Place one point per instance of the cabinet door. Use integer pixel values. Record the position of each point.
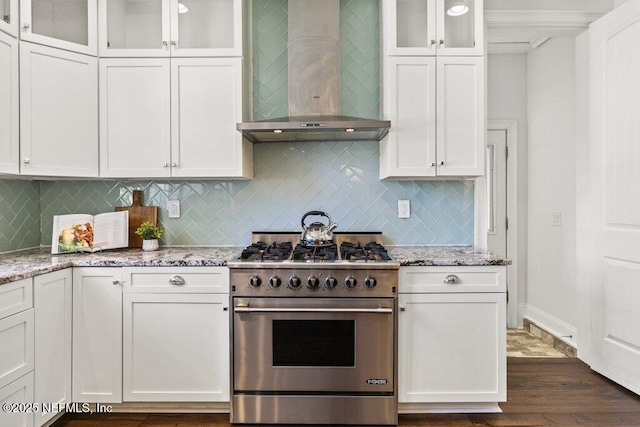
(409, 150)
(19, 391)
(135, 118)
(58, 112)
(410, 26)
(9, 112)
(191, 333)
(461, 119)
(452, 348)
(97, 335)
(206, 27)
(52, 306)
(460, 27)
(135, 28)
(16, 346)
(9, 17)
(206, 104)
(69, 25)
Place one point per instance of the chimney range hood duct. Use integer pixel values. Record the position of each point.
(314, 83)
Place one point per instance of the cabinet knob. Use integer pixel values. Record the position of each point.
(116, 282)
(432, 42)
(177, 280)
(165, 165)
(451, 279)
(26, 161)
(174, 165)
(442, 163)
(441, 42)
(165, 43)
(26, 25)
(174, 43)
(433, 163)
(402, 308)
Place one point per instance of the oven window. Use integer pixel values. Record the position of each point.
(314, 343)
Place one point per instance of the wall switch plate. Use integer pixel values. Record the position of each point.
(556, 221)
(404, 209)
(173, 206)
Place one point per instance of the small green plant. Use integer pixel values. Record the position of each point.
(148, 231)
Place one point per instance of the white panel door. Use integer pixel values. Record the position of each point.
(452, 348)
(19, 391)
(9, 107)
(97, 335)
(612, 268)
(16, 346)
(410, 93)
(461, 119)
(58, 112)
(135, 114)
(69, 25)
(52, 306)
(206, 104)
(176, 347)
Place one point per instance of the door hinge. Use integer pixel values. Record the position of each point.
(506, 223)
(506, 151)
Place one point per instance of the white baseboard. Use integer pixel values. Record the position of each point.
(556, 327)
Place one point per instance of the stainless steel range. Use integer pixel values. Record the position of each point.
(314, 331)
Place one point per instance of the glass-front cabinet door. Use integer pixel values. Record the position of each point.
(152, 28)
(435, 27)
(65, 24)
(9, 17)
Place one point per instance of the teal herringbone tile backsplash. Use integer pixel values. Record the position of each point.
(19, 215)
(290, 179)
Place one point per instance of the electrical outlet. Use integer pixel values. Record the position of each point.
(173, 206)
(556, 221)
(404, 209)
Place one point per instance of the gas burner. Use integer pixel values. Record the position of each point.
(315, 253)
(277, 252)
(253, 251)
(372, 251)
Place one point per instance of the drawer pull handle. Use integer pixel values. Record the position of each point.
(116, 282)
(451, 279)
(177, 280)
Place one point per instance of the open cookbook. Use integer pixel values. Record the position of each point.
(90, 233)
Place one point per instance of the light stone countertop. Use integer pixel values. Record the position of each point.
(23, 264)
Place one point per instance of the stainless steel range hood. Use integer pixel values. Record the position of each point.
(314, 83)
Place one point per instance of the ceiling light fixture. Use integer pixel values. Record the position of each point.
(182, 8)
(457, 8)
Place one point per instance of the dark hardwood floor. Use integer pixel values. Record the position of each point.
(541, 392)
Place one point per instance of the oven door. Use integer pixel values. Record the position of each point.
(313, 345)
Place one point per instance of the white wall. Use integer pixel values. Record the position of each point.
(550, 4)
(507, 100)
(551, 260)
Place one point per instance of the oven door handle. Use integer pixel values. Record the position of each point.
(382, 310)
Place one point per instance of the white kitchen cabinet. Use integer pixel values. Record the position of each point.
(176, 335)
(58, 112)
(172, 118)
(97, 335)
(9, 107)
(19, 391)
(452, 337)
(52, 307)
(433, 27)
(9, 17)
(69, 25)
(437, 108)
(163, 28)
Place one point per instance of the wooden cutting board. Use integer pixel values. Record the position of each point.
(137, 215)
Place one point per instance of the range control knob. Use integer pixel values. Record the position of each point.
(370, 282)
(274, 281)
(294, 282)
(255, 281)
(350, 282)
(330, 282)
(313, 282)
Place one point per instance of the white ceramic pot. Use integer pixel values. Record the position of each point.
(150, 245)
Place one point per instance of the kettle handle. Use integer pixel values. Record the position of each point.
(320, 213)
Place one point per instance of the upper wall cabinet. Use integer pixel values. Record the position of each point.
(9, 113)
(69, 25)
(434, 27)
(162, 28)
(9, 17)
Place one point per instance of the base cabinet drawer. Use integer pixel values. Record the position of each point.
(16, 297)
(452, 279)
(176, 280)
(19, 391)
(16, 346)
